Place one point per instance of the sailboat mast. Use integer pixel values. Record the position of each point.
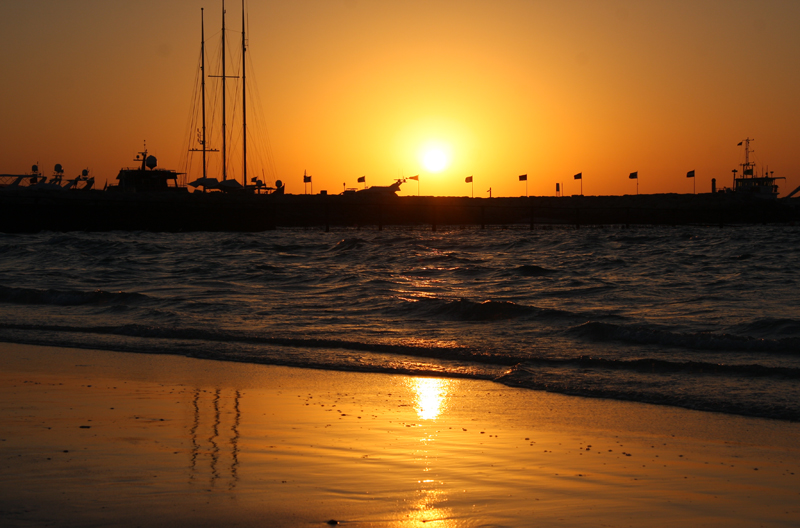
(203, 86)
(224, 128)
(244, 106)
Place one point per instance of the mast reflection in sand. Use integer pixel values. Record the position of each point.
(215, 437)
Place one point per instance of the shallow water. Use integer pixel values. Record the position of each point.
(698, 317)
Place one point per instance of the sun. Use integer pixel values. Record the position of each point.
(435, 159)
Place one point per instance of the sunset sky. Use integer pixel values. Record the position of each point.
(443, 89)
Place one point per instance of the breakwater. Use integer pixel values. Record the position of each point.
(32, 211)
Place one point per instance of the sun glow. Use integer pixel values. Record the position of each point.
(435, 159)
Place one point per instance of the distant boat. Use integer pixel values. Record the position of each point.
(35, 180)
(749, 182)
(382, 190)
(226, 184)
(147, 177)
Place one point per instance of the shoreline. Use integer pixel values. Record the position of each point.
(94, 438)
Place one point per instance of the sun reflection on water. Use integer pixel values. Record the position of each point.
(430, 396)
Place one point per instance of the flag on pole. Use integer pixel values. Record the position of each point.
(739, 144)
(362, 179)
(523, 177)
(690, 174)
(468, 179)
(579, 176)
(414, 177)
(306, 179)
(634, 175)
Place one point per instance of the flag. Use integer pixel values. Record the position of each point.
(414, 177)
(362, 179)
(634, 175)
(739, 144)
(690, 174)
(306, 179)
(523, 177)
(558, 187)
(468, 179)
(579, 176)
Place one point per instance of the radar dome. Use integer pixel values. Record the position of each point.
(151, 162)
(84, 173)
(59, 169)
(278, 184)
(35, 168)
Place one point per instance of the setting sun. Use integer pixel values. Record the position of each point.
(435, 159)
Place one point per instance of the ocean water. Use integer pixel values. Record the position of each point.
(700, 317)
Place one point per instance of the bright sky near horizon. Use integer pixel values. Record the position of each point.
(443, 89)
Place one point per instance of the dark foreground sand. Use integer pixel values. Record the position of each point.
(94, 438)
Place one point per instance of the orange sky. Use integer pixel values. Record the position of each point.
(350, 88)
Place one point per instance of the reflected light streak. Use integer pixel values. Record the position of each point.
(430, 396)
(428, 509)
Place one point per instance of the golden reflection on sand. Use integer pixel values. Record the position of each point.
(427, 509)
(430, 396)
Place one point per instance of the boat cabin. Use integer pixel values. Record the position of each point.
(147, 178)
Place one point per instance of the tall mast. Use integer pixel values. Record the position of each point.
(203, 86)
(204, 139)
(244, 108)
(224, 132)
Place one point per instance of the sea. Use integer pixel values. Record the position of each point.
(699, 317)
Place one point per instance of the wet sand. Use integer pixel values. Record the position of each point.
(95, 438)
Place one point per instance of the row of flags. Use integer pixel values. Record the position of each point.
(522, 177)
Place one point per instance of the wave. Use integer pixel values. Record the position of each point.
(651, 335)
(348, 244)
(466, 310)
(531, 270)
(661, 366)
(199, 336)
(705, 393)
(67, 297)
(770, 326)
(437, 351)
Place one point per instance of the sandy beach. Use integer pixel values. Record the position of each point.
(96, 438)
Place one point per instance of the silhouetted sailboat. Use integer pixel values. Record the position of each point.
(205, 181)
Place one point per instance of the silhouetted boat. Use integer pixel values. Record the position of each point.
(749, 182)
(35, 180)
(147, 177)
(382, 190)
